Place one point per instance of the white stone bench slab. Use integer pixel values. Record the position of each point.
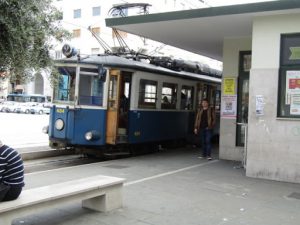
(99, 193)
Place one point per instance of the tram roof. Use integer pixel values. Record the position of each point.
(121, 62)
(202, 31)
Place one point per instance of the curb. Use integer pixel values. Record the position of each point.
(45, 154)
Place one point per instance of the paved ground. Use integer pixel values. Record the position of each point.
(175, 187)
(23, 130)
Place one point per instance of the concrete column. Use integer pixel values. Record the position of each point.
(231, 49)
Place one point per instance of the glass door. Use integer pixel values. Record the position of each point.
(243, 97)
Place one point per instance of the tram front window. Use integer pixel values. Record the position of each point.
(64, 90)
(90, 87)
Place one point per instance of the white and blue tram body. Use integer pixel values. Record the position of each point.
(108, 100)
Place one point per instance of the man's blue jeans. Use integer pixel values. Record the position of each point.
(206, 135)
(3, 191)
(9, 192)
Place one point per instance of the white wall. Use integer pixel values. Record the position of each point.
(273, 147)
(231, 50)
(47, 89)
(4, 88)
(86, 41)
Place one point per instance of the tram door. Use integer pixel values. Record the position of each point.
(112, 107)
(118, 107)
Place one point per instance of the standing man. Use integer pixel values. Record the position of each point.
(204, 124)
(11, 173)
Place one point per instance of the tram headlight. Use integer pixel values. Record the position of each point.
(59, 124)
(69, 51)
(92, 135)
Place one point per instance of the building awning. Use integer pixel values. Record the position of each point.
(202, 31)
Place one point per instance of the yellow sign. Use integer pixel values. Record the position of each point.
(60, 110)
(295, 53)
(229, 86)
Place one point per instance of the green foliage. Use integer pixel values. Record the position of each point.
(27, 29)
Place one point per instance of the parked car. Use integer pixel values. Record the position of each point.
(25, 108)
(7, 107)
(38, 109)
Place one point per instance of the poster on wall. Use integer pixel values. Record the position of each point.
(292, 85)
(259, 103)
(229, 86)
(295, 104)
(228, 107)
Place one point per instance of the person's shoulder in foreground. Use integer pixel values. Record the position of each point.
(11, 164)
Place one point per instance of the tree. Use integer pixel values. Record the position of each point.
(27, 29)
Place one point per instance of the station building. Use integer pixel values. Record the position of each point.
(259, 45)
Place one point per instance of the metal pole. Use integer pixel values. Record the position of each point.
(245, 146)
(244, 159)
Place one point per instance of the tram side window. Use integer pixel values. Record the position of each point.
(90, 90)
(218, 101)
(169, 96)
(147, 94)
(10, 98)
(20, 99)
(65, 88)
(38, 99)
(112, 92)
(15, 98)
(187, 96)
(26, 99)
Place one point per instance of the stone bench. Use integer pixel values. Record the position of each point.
(99, 193)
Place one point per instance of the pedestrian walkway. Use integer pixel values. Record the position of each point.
(32, 148)
(175, 187)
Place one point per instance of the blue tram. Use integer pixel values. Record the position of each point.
(104, 100)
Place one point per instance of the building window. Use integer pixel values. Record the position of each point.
(96, 30)
(77, 13)
(95, 51)
(169, 96)
(96, 11)
(147, 94)
(289, 77)
(76, 33)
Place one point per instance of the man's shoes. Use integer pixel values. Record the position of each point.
(209, 158)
